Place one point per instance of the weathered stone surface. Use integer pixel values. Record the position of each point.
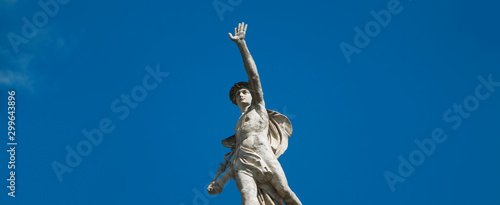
(261, 136)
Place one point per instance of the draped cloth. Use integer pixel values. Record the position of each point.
(280, 130)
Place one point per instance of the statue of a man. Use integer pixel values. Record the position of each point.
(255, 150)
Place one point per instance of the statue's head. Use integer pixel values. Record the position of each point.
(240, 94)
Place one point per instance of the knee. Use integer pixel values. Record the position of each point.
(285, 192)
(249, 197)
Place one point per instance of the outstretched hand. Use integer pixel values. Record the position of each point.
(239, 33)
(214, 188)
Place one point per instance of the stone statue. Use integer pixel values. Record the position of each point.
(261, 136)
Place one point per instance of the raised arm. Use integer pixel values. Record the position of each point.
(250, 67)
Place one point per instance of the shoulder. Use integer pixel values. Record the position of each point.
(261, 109)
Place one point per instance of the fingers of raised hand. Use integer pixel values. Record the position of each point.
(242, 28)
(239, 32)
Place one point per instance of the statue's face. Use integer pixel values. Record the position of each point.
(243, 97)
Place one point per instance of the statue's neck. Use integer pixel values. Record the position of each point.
(244, 109)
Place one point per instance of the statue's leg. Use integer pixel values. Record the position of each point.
(248, 188)
(280, 183)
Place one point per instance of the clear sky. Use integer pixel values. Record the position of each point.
(392, 102)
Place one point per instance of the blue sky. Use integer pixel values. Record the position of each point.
(431, 66)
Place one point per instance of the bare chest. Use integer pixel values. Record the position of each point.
(251, 122)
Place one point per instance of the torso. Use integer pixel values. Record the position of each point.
(251, 129)
(251, 133)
